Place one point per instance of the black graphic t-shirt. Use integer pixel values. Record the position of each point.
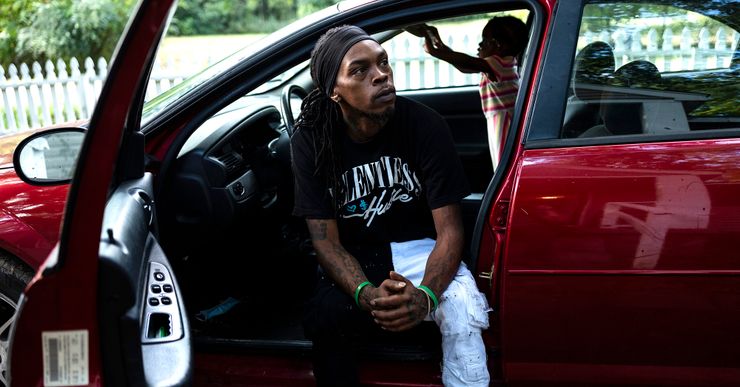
(390, 184)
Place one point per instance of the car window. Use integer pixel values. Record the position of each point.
(162, 102)
(654, 69)
(414, 69)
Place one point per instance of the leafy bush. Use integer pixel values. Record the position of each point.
(36, 30)
(208, 17)
(67, 28)
(14, 15)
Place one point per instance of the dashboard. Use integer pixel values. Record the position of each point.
(229, 168)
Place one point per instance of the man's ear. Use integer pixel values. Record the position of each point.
(335, 97)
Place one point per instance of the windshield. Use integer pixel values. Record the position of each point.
(162, 102)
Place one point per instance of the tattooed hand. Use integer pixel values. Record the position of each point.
(400, 305)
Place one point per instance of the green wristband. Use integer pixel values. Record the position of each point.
(359, 289)
(431, 295)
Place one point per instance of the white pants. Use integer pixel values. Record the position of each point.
(461, 316)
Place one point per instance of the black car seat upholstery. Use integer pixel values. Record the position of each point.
(594, 65)
(625, 118)
(638, 73)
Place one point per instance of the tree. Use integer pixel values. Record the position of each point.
(206, 17)
(306, 7)
(14, 15)
(67, 28)
(50, 29)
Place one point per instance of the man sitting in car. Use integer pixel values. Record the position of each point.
(379, 183)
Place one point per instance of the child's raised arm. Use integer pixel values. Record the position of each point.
(463, 62)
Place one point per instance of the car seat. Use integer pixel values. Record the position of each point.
(625, 118)
(618, 119)
(593, 65)
(638, 73)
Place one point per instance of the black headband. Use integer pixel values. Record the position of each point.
(328, 53)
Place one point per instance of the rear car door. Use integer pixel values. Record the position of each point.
(620, 263)
(108, 285)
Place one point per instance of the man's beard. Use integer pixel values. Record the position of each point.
(379, 119)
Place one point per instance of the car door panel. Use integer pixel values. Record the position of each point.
(61, 304)
(142, 320)
(636, 241)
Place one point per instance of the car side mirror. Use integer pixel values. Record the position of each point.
(48, 157)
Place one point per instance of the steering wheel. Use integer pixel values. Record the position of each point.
(291, 97)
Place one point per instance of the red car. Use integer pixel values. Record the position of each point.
(605, 239)
(30, 217)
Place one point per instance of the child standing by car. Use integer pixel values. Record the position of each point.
(503, 41)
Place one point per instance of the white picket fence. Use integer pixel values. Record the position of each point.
(415, 69)
(35, 96)
(674, 50)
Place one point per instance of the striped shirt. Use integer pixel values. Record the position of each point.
(498, 97)
(499, 94)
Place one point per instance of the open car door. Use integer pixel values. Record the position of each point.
(105, 309)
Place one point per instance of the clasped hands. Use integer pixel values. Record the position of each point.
(396, 305)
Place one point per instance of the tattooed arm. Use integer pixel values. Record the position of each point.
(339, 264)
(445, 258)
(407, 307)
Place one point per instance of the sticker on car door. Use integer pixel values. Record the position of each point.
(66, 361)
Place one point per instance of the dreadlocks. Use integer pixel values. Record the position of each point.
(322, 116)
